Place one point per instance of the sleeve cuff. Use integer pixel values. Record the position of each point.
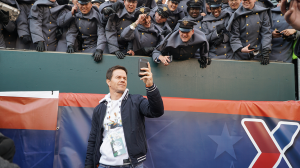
(152, 88)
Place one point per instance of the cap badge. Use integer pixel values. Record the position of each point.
(196, 1)
(185, 22)
(142, 10)
(165, 9)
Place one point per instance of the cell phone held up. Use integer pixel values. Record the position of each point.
(287, 5)
(143, 63)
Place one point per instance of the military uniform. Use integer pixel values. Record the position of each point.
(210, 23)
(142, 37)
(282, 50)
(250, 27)
(230, 10)
(9, 30)
(173, 45)
(114, 27)
(90, 28)
(43, 24)
(63, 21)
(265, 3)
(104, 18)
(23, 25)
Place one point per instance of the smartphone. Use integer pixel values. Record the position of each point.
(171, 58)
(255, 50)
(143, 63)
(277, 31)
(287, 5)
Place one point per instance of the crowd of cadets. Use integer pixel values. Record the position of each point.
(220, 30)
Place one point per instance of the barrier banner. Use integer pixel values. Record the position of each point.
(30, 119)
(194, 133)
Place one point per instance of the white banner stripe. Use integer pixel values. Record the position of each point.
(33, 94)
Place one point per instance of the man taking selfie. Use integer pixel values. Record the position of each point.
(117, 138)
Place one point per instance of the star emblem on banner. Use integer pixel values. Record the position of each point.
(225, 142)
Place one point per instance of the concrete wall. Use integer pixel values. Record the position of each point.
(78, 73)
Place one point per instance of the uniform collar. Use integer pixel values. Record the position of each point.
(211, 17)
(123, 97)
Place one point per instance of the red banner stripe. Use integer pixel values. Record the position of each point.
(28, 113)
(288, 110)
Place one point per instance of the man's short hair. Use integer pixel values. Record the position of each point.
(110, 71)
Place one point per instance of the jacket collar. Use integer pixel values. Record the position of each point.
(123, 97)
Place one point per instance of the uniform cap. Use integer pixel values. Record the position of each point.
(142, 10)
(194, 4)
(163, 11)
(98, 1)
(186, 25)
(83, 2)
(215, 3)
(175, 1)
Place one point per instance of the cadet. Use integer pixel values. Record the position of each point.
(97, 3)
(43, 25)
(214, 26)
(23, 27)
(109, 7)
(195, 13)
(183, 5)
(10, 29)
(283, 37)
(116, 24)
(4, 19)
(63, 21)
(175, 13)
(183, 44)
(233, 5)
(159, 17)
(250, 31)
(87, 23)
(144, 35)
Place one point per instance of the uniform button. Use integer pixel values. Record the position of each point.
(257, 31)
(48, 37)
(50, 22)
(47, 45)
(90, 35)
(247, 24)
(55, 39)
(79, 27)
(280, 14)
(31, 4)
(180, 55)
(82, 34)
(214, 21)
(277, 20)
(221, 19)
(199, 27)
(49, 6)
(246, 41)
(8, 35)
(275, 28)
(121, 28)
(88, 19)
(181, 6)
(151, 33)
(79, 19)
(247, 33)
(172, 22)
(142, 33)
(88, 28)
(255, 45)
(123, 19)
(216, 55)
(279, 51)
(191, 53)
(216, 48)
(256, 38)
(246, 16)
(256, 13)
(198, 21)
(151, 42)
(257, 22)
(49, 30)
(213, 26)
(281, 45)
(118, 35)
(8, 42)
(82, 49)
(224, 46)
(192, 46)
(84, 45)
(55, 46)
(224, 54)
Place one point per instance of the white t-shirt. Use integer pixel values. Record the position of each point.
(113, 134)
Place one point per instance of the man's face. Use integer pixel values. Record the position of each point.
(130, 5)
(216, 11)
(185, 37)
(163, 1)
(113, 0)
(52, 0)
(172, 6)
(146, 22)
(194, 12)
(248, 4)
(279, 3)
(159, 19)
(118, 82)
(234, 4)
(96, 4)
(86, 8)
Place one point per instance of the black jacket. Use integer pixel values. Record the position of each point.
(134, 108)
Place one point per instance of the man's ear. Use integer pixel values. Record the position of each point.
(108, 82)
(193, 31)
